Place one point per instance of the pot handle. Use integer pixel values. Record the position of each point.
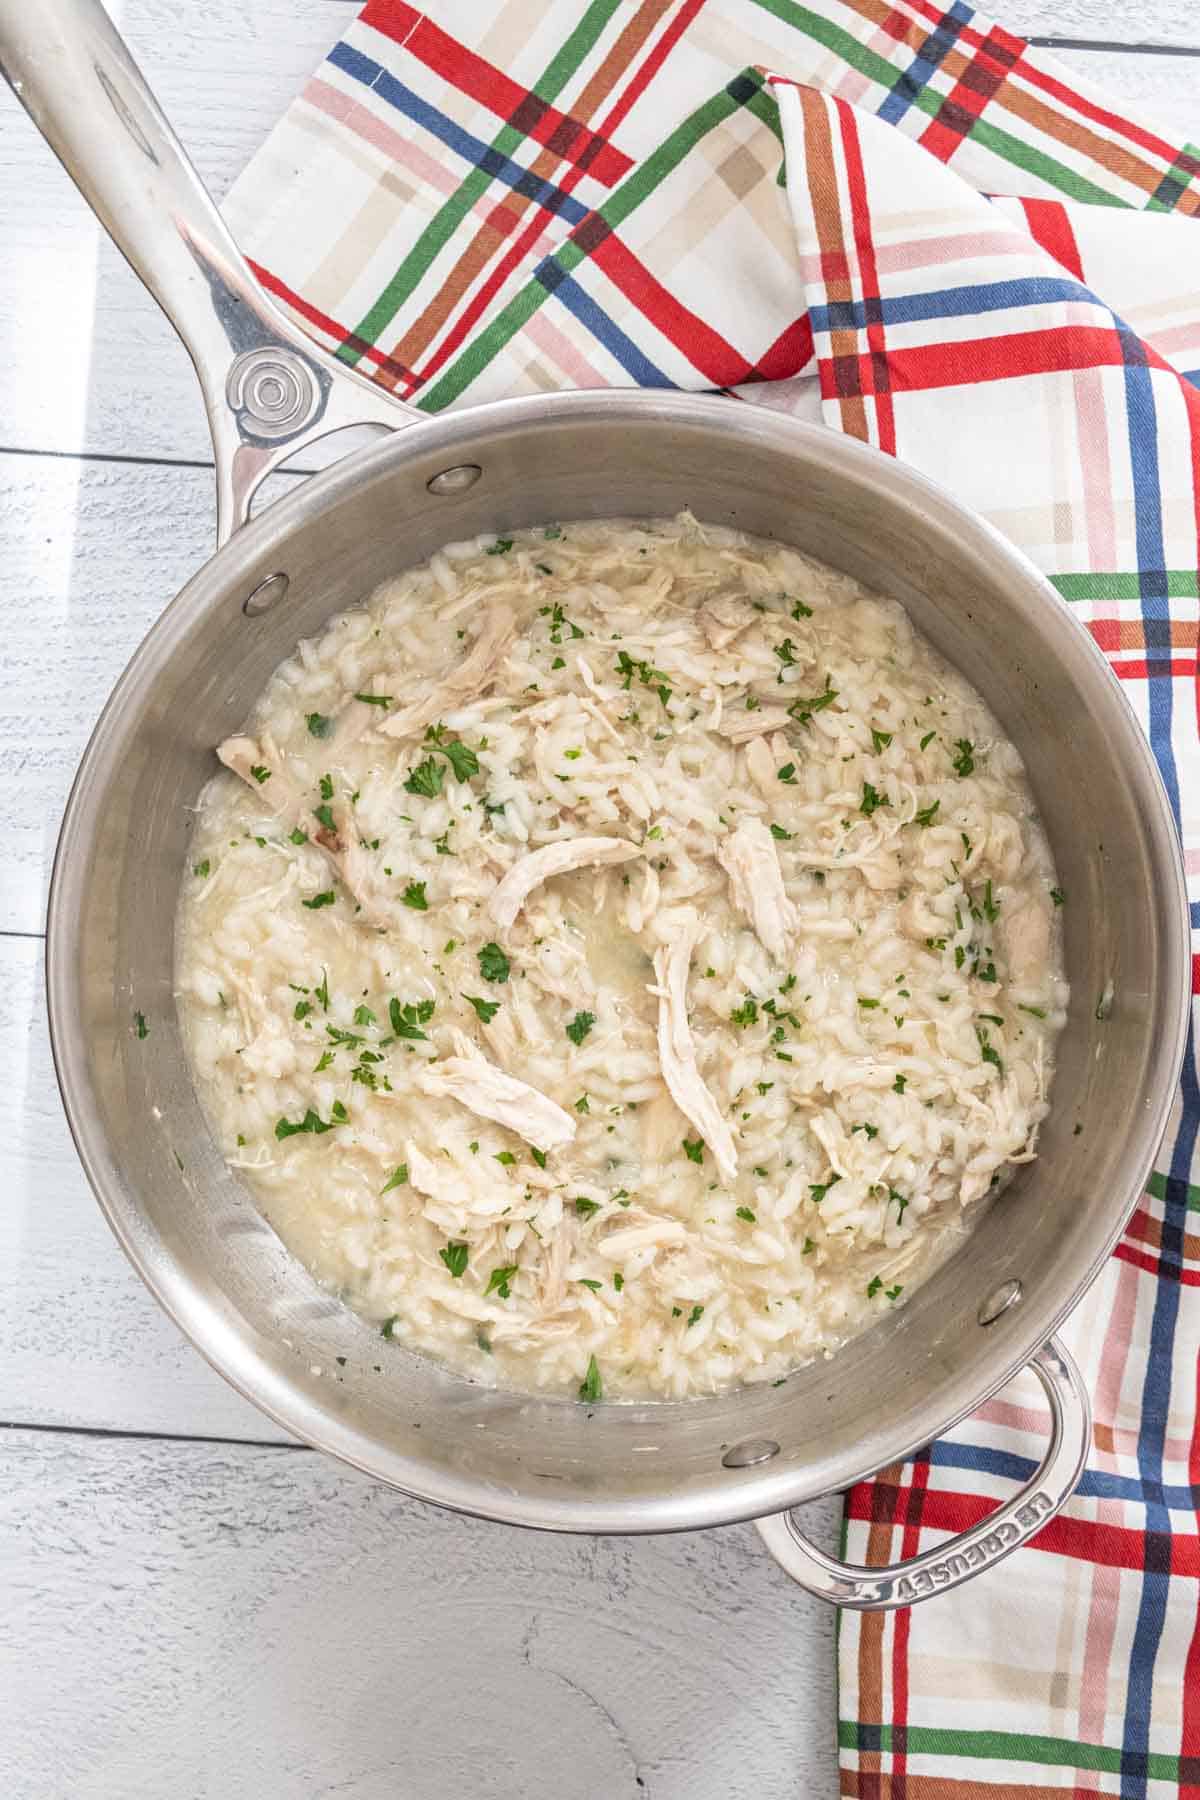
(269, 390)
(947, 1565)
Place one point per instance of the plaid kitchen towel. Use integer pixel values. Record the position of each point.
(901, 220)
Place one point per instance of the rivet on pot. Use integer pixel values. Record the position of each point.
(265, 596)
(999, 1301)
(456, 480)
(754, 1450)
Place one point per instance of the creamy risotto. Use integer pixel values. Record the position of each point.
(618, 958)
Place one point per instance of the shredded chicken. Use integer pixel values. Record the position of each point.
(1025, 933)
(281, 797)
(484, 1089)
(677, 1051)
(530, 871)
(740, 727)
(724, 618)
(749, 858)
(762, 765)
(476, 671)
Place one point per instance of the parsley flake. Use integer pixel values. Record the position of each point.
(693, 1149)
(580, 1025)
(485, 1010)
(414, 896)
(455, 1258)
(590, 1388)
(493, 964)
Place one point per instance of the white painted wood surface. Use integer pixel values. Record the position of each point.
(241, 1618)
(195, 1622)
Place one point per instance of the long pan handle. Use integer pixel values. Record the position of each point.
(268, 389)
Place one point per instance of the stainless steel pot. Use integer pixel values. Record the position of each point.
(180, 1214)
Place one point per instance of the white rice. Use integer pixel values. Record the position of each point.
(878, 1074)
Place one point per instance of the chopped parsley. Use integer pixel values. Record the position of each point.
(871, 800)
(298, 836)
(455, 1258)
(501, 547)
(388, 1328)
(787, 774)
(397, 1178)
(991, 911)
(819, 1189)
(406, 1020)
(880, 740)
(302, 1009)
(927, 739)
(425, 779)
(693, 1149)
(499, 1281)
(900, 1083)
(320, 900)
(594, 1285)
(872, 1131)
(201, 869)
(318, 724)
(618, 1281)
(744, 1212)
(927, 814)
(260, 773)
(780, 834)
(901, 1203)
(374, 699)
(892, 1293)
(803, 710)
(493, 964)
(874, 1286)
(800, 611)
(460, 756)
(988, 1051)
(552, 532)
(1057, 895)
(311, 1122)
(1036, 1012)
(505, 1158)
(324, 815)
(585, 1208)
(326, 785)
(590, 1387)
(363, 1015)
(694, 1317)
(580, 1025)
(867, 1004)
(414, 896)
(786, 652)
(140, 1026)
(485, 1010)
(964, 762)
(539, 1156)
(746, 1013)
(809, 1247)
(322, 991)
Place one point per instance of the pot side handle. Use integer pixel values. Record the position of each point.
(269, 390)
(948, 1565)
